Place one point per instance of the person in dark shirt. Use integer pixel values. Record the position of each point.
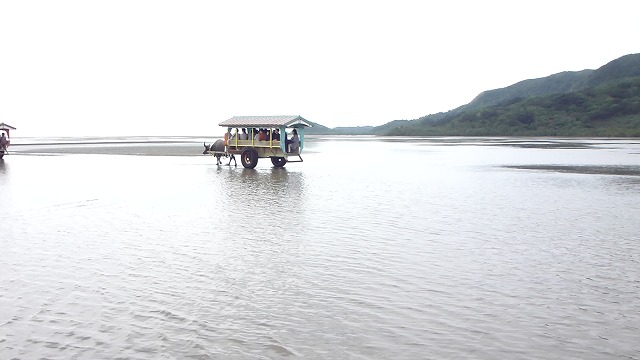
(3, 142)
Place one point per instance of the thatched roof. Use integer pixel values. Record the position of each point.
(266, 121)
(4, 126)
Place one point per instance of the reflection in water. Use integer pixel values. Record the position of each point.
(4, 174)
(275, 181)
(267, 198)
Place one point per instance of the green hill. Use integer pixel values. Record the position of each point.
(554, 84)
(627, 66)
(610, 109)
(602, 102)
(317, 129)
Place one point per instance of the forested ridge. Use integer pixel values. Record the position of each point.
(602, 102)
(611, 109)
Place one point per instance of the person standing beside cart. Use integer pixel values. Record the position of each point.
(4, 142)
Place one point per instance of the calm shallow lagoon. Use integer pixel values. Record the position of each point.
(372, 248)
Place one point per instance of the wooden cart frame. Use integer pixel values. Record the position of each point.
(279, 151)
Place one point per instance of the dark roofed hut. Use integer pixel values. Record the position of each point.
(5, 127)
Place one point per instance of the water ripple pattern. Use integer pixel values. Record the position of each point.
(371, 249)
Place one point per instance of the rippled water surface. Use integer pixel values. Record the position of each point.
(371, 248)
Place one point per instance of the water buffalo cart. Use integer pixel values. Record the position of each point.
(279, 138)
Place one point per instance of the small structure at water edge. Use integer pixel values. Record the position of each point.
(5, 139)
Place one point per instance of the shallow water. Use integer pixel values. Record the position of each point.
(371, 248)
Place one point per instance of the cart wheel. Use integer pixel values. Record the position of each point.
(278, 161)
(249, 158)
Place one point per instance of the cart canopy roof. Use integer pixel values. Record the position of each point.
(266, 121)
(4, 126)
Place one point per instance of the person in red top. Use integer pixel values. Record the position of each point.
(263, 135)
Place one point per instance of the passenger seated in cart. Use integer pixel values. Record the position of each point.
(276, 135)
(263, 135)
(244, 135)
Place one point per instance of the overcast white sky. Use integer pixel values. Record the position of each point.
(155, 67)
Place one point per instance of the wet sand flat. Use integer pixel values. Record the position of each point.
(143, 149)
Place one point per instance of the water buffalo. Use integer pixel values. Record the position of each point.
(218, 150)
